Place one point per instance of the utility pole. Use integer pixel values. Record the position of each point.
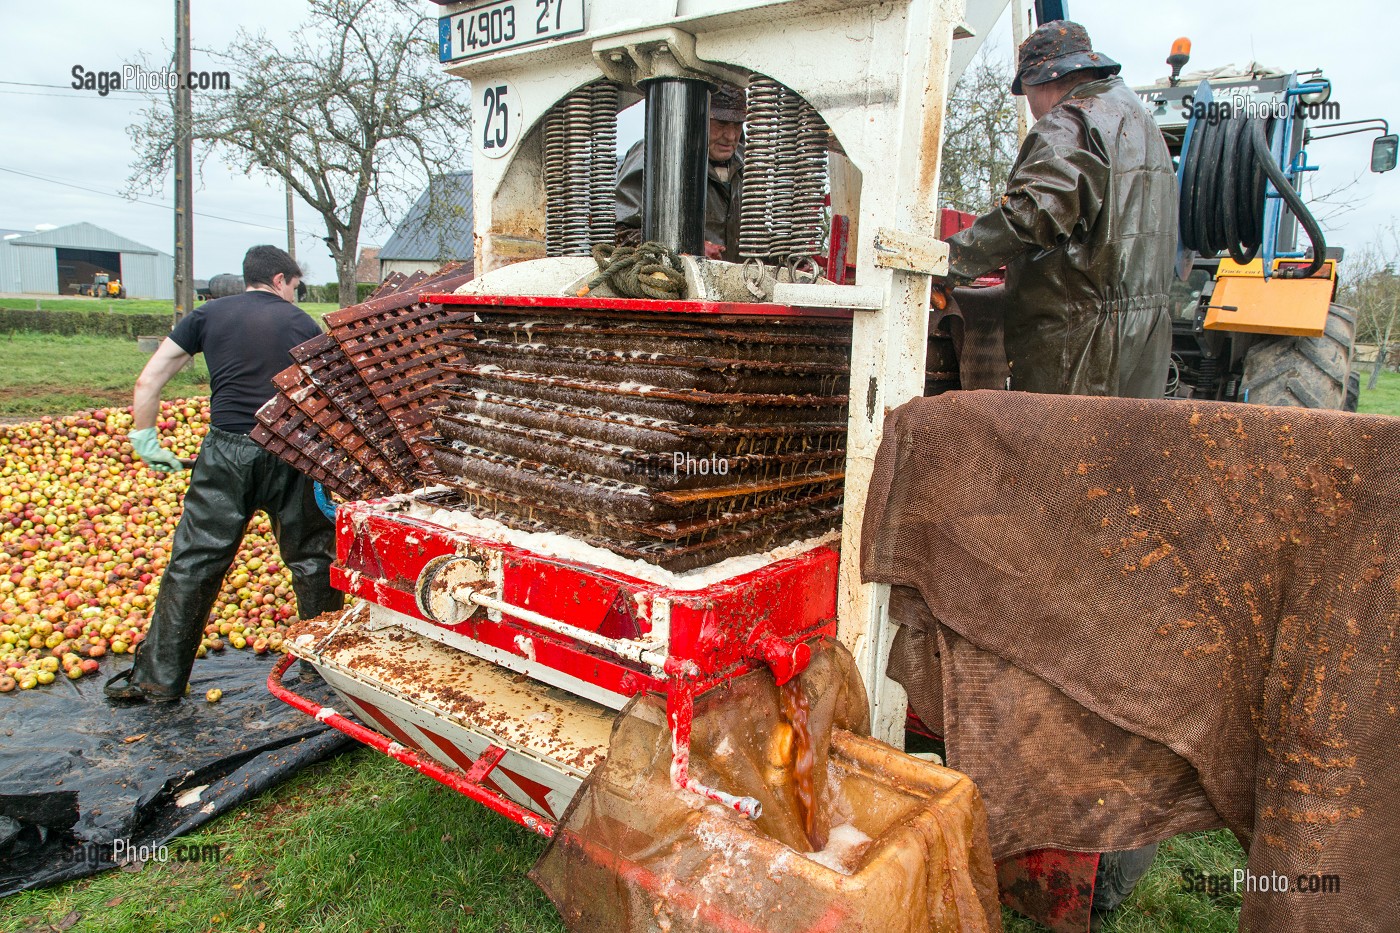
(184, 167)
(291, 226)
(1021, 27)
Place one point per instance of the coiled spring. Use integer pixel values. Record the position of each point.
(580, 170)
(782, 215)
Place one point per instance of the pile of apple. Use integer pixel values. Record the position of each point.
(85, 532)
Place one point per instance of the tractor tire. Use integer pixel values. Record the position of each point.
(1353, 392)
(1302, 372)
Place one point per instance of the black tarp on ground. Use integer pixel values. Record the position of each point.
(74, 777)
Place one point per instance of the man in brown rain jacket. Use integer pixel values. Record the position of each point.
(1086, 230)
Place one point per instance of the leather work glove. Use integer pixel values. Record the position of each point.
(146, 443)
(939, 295)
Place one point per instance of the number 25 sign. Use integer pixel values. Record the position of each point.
(498, 117)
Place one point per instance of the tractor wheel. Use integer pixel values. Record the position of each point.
(1353, 391)
(1302, 372)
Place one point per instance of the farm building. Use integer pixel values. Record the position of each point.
(437, 229)
(52, 262)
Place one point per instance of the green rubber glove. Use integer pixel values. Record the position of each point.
(146, 443)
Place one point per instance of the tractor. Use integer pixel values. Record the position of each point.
(1256, 318)
(103, 286)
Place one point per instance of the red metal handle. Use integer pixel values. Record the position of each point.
(462, 783)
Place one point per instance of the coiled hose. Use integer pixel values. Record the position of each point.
(1223, 191)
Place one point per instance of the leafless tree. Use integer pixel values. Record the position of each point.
(352, 113)
(1372, 288)
(1331, 206)
(980, 134)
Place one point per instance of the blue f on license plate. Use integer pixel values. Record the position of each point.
(506, 24)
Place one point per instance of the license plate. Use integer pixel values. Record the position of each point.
(506, 24)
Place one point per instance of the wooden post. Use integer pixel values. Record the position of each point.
(1021, 27)
(291, 224)
(184, 167)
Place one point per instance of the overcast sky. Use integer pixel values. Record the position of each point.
(77, 138)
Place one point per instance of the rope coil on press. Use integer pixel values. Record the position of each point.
(781, 218)
(646, 271)
(1224, 191)
(580, 170)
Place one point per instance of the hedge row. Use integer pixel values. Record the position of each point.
(95, 323)
(330, 292)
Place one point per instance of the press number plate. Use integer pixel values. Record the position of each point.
(506, 24)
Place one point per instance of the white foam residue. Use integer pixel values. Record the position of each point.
(191, 796)
(526, 646)
(732, 846)
(844, 847)
(554, 544)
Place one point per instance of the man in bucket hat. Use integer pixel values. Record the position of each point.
(1087, 233)
(1086, 230)
(728, 109)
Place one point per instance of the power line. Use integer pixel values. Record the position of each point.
(109, 194)
(65, 87)
(77, 95)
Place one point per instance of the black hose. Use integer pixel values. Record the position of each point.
(1223, 191)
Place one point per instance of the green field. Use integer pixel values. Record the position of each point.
(356, 843)
(45, 374)
(1384, 399)
(126, 305)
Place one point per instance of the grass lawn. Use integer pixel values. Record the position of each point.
(127, 305)
(46, 374)
(1384, 399)
(356, 843)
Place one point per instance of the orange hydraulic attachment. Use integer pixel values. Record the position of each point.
(1245, 301)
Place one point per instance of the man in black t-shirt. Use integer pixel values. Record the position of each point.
(246, 339)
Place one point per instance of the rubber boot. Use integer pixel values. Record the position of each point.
(1118, 874)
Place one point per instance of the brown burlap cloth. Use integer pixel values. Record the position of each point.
(634, 854)
(1158, 616)
(973, 319)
